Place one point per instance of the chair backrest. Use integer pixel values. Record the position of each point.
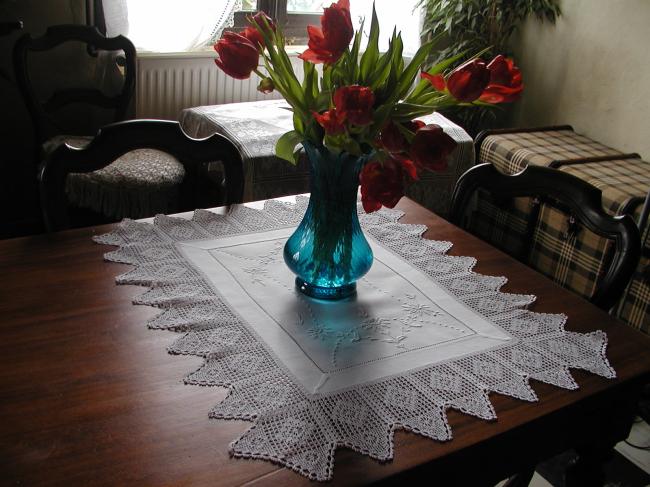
(583, 200)
(115, 140)
(44, 112)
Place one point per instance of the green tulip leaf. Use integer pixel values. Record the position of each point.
(286, 145)
(369, 58)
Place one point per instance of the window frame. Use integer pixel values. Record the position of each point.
(294, 26)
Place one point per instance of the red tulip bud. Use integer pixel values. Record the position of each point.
(238, 57)
(266, 86)
(467, 82)
(355, 103)
(431, 147)
(381, 184)
(505, 81)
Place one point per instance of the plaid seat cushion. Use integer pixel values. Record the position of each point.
(506, 227)
(558, 247)
(634, 306)
(502, 222)
(567, 252)
(510, 153)
(624, 182)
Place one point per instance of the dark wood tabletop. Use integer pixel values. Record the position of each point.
(90, 396)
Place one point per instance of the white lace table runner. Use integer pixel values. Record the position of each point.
(424, 333)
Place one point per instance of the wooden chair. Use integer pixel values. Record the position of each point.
(45, 113)
(116, 140)
(73, 115)
(581, 199)
(7, 28)
(584, 202)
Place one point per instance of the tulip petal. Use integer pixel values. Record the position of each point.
(436, 80)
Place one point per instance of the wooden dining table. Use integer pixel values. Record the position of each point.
(90, 396)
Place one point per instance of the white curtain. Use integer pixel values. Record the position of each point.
(169, 25)
(186, 25)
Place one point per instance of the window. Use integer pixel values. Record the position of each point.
(190, 25)
(165, 25)
(292, 15)
(295, 15)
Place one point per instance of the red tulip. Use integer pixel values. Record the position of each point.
(326, 44)
(393, 140)
(253, 35)
(467, 82)
(431, 147)
(381, 184)
(332, 121)
(259, 17)
(253, 32)
(238, 57)
(354, 103)
(505, 81)
(408, 165)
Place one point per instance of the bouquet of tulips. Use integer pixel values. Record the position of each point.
(365, 102)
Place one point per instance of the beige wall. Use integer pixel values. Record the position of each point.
(591, 70)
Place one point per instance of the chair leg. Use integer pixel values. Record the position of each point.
(587, 469)
(520, 479)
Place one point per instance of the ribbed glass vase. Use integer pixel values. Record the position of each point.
(328, 252)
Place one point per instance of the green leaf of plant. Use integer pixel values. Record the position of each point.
(354, 54)
(383, 67)
(308, 83)
(436, 69)
(409, 111)
(412, 70)
(322, 101)
(369, 58)
(298, 123)
(326, 80)
(380, 119)
(285, 147)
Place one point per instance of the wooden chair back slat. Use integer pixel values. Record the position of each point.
(42, 113)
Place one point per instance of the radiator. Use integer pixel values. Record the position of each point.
(168, 83)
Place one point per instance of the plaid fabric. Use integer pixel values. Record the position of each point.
(621, 181)
(511, 153)
(561, 249)
(504, 223)
(505, 226)
(567, 252)
(634, 306)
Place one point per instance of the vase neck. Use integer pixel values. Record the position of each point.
(333, 177)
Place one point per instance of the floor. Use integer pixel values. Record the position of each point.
(629, 466)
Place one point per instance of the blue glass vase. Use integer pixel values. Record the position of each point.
(328, 251)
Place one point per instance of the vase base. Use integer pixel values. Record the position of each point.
(329, 293)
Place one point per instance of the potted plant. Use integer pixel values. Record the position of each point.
(471, 26)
